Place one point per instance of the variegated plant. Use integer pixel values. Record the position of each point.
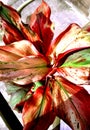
(42, 74)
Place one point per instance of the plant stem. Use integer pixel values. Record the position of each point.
(22, 6)
(56, 123)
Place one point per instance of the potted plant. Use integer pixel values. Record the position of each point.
(44, 75)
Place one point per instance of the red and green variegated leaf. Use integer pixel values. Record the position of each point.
(72, 37)
(79, 58)
(10, 15)
(41, 24)
(17, 50)
(25, 70)
(62, 57)
(75, 65)
(72, 104)
(11, 33)
(38, 111)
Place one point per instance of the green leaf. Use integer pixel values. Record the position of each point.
(36, 85)
(17, 97)
(78, 59)
(18, 94)
(12, 88)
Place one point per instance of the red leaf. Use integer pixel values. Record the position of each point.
(38, 110)
(41, 24)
